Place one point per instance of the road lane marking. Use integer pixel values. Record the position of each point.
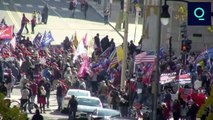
(29, 5)
(40, 6)
(5, 3)
(17, 4)
(65, 9)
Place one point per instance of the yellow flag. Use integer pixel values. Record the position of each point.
(75, 41)
(120, 53)
(90, 47)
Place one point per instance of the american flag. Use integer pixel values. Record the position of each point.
(148, 58)
(139, 57)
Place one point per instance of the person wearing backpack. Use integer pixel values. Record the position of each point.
(25, 93)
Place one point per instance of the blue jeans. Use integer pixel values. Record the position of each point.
(73, 13)
(60, 100)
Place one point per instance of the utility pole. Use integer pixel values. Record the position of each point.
(123, 72)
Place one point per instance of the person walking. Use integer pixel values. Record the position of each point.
(85, 8)
(41, 96)
(37, 116)
(72, 106)
(44, 14)
(34, 88)
(106, 15)
(24, 22)
(59, 95)
(25, 93)
(72, 7)
(47, 87)
(33, 24)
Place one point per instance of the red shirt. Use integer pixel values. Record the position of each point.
(34, 88)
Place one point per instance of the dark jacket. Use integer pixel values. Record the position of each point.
(37, 117)
(73, 104)
(59, 91)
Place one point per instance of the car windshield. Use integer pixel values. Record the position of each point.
(78, 93)
(110, 113)
(88, 102)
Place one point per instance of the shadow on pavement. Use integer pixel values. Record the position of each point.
(57, 113)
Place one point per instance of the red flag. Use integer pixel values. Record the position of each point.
(6, 32)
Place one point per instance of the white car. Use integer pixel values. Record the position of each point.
(76, 93)
(87, 105)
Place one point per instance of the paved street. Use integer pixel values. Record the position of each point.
(51, 113)
(59, 21)
(61, 25)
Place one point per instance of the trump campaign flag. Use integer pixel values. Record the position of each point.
(47, 39)
(37, 40)
(6, 32)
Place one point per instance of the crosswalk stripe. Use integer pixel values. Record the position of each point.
(53, 7)
(77, 10)
(65, 9)
(17, 4)
(29, 5)
(5, 3)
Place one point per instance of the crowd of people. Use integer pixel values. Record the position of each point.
(54, 68)
(40, 71)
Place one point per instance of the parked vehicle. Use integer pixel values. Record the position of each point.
(105, 114)
(87, 106)
(76, 93)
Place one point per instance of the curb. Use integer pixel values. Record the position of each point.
(103, 17)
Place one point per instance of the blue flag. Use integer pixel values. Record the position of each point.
(161, 54)
(37, 40)
(47, 39)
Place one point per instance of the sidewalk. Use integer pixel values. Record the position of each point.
(114, 16)
(114, 13)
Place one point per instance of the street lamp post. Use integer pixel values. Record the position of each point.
(123, 71)
(157, 73)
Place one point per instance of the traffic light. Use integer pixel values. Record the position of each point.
(183, 30)
(183, 46)
(188, 45)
